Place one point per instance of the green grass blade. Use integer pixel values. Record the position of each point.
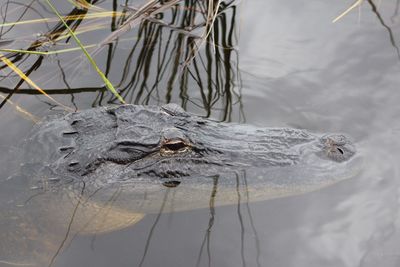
(44, 53)
(109, 86)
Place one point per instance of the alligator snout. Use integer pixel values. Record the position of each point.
(337, 147)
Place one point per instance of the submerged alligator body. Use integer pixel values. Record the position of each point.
(103, 169)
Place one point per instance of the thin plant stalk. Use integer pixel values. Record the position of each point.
(354, 5)
(108, 84)
(44, 53)
(28, 80)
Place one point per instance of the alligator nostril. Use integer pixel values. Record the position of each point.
(337, 147)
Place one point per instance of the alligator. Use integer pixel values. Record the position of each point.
(148, 147)
(133, 160)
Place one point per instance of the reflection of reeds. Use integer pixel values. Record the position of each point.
(181, 46)
(159, 56)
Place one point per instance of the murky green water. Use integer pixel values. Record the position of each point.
(275, 63)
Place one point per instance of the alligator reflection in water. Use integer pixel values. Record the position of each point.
(103, 169)
(153, 67)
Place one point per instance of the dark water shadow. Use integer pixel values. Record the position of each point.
(207, 235)
(240, 217)
(251, 220)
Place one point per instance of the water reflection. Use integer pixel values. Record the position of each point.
(207, 235)
(396, 12)
(69, 227)
(60, 210)
(57, 217)
(151, 231)
(391, 36)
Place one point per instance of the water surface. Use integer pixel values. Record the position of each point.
(285, 64)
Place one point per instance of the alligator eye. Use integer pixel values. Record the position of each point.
(175, 145)
(173, 141)
(171, 147)
(340, 150)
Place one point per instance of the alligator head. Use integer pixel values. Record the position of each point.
(166, 144)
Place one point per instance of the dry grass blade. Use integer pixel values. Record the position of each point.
(164, 24)
(128, 25)
(354, 5)
(95, 15)
(45, 53)
(83, 4)
(211, 16)
(28, 80)
(148, 10)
